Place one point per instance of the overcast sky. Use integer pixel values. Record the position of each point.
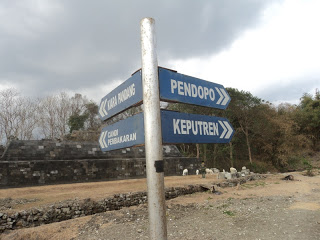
(268, 47)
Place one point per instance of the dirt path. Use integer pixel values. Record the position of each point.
(266, 209)
(41, 195)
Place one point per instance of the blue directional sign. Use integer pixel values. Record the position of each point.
(194, 128)
(177, 87)
(122, 134)
(124, 96)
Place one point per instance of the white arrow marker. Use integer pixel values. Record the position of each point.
(227, 129)
(102, 109)
(225, 95)
(221, 96)
(224, 129)
(230, 130)
(102, 140)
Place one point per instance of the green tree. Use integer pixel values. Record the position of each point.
(242, 113)
(93, 120)
(308, 118)
(76, 121)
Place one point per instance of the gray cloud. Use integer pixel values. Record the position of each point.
(289, 92)
(77, 44)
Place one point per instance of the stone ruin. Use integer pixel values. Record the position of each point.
(38, 162)
(233, 173)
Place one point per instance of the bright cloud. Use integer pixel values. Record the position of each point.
(277, 54)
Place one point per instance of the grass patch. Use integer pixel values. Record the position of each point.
(229, 213)
(255, 184)
(223, 206)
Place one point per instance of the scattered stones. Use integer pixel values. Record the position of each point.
(8, 203)
(78, 208)
(289, 177)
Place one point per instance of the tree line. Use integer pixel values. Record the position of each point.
(266, 136)
(51, 117)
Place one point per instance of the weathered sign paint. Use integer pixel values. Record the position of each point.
(194, 128)
(122, 97)
(177, 87)
(125, 133)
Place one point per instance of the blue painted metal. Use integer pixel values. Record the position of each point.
(125, 133)
(194, 128)
(122, 97)
(177, 87)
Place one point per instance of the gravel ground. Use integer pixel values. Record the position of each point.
(251, 218)
(268, 209)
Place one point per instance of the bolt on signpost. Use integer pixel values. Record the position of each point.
(153, 135)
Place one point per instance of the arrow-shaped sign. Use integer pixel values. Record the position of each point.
(102, 108)
(194, 128)
(223, 95)
(177, 87)
(122, 97)
(227, 129)
(125, 133)
(102, 139)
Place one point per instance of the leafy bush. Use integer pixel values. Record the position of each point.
(259, 167)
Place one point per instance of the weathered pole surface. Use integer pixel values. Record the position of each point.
(152, 129)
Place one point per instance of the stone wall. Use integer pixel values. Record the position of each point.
(79, 208)
(39, 172)
(26, 150)
(26, 163)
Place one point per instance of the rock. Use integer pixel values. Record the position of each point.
(215, 170)
(233, 170)
(289, 177)
(221, 175)
(233, 175)
(228, 175)
(245, 171)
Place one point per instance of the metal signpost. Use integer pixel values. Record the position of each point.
(124, 96)
(152, 131)
(177, 87)
(194, 128)
(149, 85)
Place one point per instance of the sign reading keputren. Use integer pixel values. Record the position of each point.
(194, 128)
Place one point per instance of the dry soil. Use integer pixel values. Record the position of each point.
(266, 209)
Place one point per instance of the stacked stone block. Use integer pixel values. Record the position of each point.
(26, 163)
(79, 208)
(26, 150)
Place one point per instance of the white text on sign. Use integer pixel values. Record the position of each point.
(182, 126)
(113, 137)
(192, 90)
(121, 97)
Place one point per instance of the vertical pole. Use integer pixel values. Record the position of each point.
(152, 131)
